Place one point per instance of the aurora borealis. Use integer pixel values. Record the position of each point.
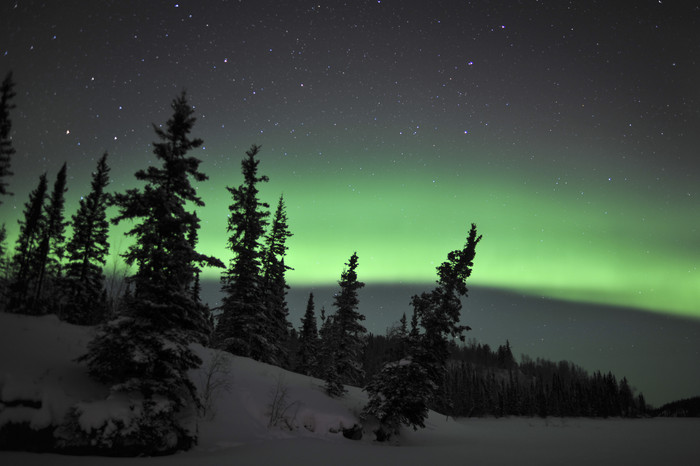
(596, 245)
(567, 131)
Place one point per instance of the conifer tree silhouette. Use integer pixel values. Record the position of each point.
(26, 258)
(86, 253)
(146, 349)
(345, 333)
(403, 390)
(51, 247)
(307, 359)
(7, 93)
(244, 326)
(274, 270)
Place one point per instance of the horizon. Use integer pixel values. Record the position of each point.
(627, 342)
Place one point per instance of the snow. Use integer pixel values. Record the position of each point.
(37, 362)
(92, 415)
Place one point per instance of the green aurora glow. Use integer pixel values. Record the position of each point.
(616, 241)
(389, 129)
(610, 245)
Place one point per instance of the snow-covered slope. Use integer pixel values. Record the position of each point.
(37, 366)
(242, 409)
(37, 363)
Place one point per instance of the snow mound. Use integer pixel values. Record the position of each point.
(39, 377)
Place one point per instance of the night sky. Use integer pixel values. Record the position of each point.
(568, 131)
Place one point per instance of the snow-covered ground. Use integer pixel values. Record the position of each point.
(37, 361)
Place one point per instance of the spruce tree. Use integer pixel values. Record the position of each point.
(3, 250)
(641, 405)
(196, 288)
(347, 332)
(276, 241)
(244, 324)
(438, 312)
(87, 254)
(51, 247)
(4, 269)
(26, 261)
(7, 93)
(328, 367)
(326, 343)
(307, 358)
(397, 396)
(403, 391)
(6, 151)
(146, 349)
(274, 269)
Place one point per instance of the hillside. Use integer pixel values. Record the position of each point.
(39, 381)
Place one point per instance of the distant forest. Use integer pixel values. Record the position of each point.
(688, 407)
(481, 381)
(145, 331)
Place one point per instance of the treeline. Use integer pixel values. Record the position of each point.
(535, 388)
(688, 407)
(481, 381)
(50, 271)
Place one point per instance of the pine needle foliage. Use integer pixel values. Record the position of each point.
(402, 392)
(345, 334)
(7, 93)
(307, 356)
(51, 247)
(244, 323)
(275, 282)
(25, 262)
(87, 251)
(146, 349)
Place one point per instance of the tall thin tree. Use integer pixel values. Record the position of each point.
(244, 325)
(438, 312)
(347, 332)
(87, 253)
(7, 93)
(307, 357)
(25, 262)
(274, 270)
(51, 247)
(6, 151)
(403, 390)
